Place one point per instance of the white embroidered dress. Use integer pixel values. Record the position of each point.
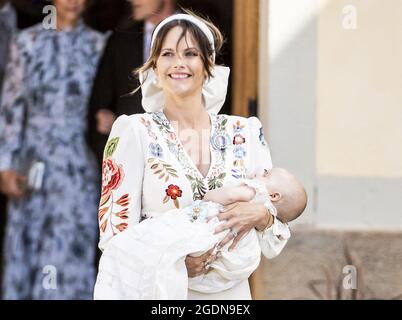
(146, 169)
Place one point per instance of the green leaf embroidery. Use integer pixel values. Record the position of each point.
(110, 147)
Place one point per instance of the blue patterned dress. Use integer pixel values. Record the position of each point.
(51, 234)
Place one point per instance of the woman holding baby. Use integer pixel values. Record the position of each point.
(173, 155)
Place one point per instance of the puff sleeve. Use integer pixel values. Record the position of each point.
(122, 176)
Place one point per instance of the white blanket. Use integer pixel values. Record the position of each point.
(146, 261)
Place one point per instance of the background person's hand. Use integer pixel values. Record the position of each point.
(104, 121)
(12, 184)
(196, 265)
(240, 218)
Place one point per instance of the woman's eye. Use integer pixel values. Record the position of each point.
(167, 54)
(191, 54)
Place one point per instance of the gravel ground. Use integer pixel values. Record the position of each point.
(318, 257)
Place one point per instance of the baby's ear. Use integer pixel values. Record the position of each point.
(274, 197)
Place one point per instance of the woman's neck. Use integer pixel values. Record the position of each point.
(187, 112)
(63, 24)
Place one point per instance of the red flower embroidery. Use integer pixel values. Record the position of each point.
(173, 192)
(124, 200)
(122, 226)
(112, 176)
(123, 214)
(238, 139)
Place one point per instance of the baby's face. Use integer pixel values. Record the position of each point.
(267, 177)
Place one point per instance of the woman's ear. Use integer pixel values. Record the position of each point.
(274, 197)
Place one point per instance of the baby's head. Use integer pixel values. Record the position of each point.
(286, 193)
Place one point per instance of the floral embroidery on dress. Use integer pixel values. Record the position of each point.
(217, 172)
(173, 192)
(147, 125)
(262, 138)
(110, 147)
(216, 181)
(220, 141)
(197, 187)
(238, 139)
(162, 168)
(238, 127)
(112, 177)
(196, 212)
(156, 150)
(239, 151)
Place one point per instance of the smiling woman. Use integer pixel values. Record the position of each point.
(183, 91)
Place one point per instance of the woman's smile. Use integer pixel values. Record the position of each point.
(179, 75)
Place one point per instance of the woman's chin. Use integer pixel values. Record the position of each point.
(182, 92)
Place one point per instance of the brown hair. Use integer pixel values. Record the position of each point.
(199, 36)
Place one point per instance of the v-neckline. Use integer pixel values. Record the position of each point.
(180, 146)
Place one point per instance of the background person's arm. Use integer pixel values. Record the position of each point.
(102, 100)
(13, 103)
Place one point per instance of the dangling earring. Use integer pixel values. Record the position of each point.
(156, 82)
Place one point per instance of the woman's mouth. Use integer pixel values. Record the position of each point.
(179, 76)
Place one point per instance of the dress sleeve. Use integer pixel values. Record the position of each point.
(122, 176)
(273, 239)
(14, 98)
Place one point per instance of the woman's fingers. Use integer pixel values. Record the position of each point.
(229, 207)
(210, 217)
(197, 265)
(229, 237)
(207, 255)
(236, 240)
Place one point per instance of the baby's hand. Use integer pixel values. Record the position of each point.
(229, 195)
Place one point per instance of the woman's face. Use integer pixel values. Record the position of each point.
(69, 10)
(179, 68)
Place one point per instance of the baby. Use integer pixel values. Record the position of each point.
(284, 197)
(283, 189)
(151, 254)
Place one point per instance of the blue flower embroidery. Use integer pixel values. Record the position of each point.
(239, 152)
(160, 118)
(156, 150)
(262, 138)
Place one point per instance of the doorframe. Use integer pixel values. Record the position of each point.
(245, 55)
(246, 77)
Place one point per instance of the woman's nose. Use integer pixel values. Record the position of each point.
(179, 61)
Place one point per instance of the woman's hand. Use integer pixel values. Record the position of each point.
(12, 184)
(197, 266)
(240, 218)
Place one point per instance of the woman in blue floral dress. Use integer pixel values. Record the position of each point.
(51, 234)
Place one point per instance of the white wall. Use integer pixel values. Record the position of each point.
(330, 99)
